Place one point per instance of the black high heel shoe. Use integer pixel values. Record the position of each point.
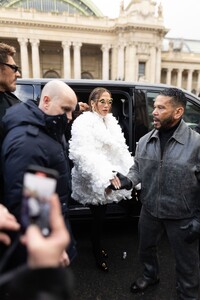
(104, 253)
(100, 260)
(102, 266)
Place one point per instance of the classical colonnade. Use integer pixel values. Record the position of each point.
(185, 78)
(120, 61)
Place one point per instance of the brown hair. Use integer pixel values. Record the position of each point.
(96, 94)
(5, 51)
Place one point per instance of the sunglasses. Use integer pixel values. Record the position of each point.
(13, 67)
(104, 101)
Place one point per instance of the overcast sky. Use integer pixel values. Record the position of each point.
(182, 17)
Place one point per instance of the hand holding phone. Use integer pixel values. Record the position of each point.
(48, 252)
(38, 185)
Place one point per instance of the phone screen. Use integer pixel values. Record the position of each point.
(38, 186)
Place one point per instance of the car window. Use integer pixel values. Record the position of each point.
(122, 112)
(192, 115)
(141, 123)
(27, 91)
(150, 106)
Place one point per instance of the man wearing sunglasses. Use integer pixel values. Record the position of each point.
(9, 73)
(8, 76)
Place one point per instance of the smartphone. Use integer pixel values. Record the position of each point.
(39, 184)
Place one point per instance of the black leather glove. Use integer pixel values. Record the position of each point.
(125, 182)
(193, 229)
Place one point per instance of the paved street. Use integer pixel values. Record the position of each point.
(120, 236)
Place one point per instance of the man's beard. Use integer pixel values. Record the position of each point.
(166, 124)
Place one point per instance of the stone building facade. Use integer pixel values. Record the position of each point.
(72, 39)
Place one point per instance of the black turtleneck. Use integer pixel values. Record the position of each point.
(165, 134)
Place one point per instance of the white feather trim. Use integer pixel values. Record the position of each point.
(97, 148)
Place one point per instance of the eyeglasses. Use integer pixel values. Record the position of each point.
(104, 101)
(13, 67)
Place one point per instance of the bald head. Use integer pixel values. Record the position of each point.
(58, 98)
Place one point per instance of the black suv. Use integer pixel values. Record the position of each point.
(132, 106)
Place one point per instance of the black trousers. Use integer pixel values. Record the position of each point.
(186, 255)
(98, 215)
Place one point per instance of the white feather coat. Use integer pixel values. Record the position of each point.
(97, 148)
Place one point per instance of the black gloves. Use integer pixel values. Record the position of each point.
(125, 183)
(193, 229)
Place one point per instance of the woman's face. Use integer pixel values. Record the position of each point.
(103, 104)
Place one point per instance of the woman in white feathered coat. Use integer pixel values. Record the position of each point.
(97, 149)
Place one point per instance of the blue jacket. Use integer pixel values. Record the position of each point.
(29, 141)
(170, 186)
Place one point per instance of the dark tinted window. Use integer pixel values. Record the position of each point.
(27, 91)
(192, 114)
(141, 119)
(150, 106)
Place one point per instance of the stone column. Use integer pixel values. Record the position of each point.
(105, 64)
(169, 76)
(158, 65)
(127, 65)
(66, 59)
(153, 69)
(77, 60)
(130, 69)
(179, 78)
(198, 83)
(189, 80)
(24, 57)
(35, 57)
(114, 54)
(120, 68)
